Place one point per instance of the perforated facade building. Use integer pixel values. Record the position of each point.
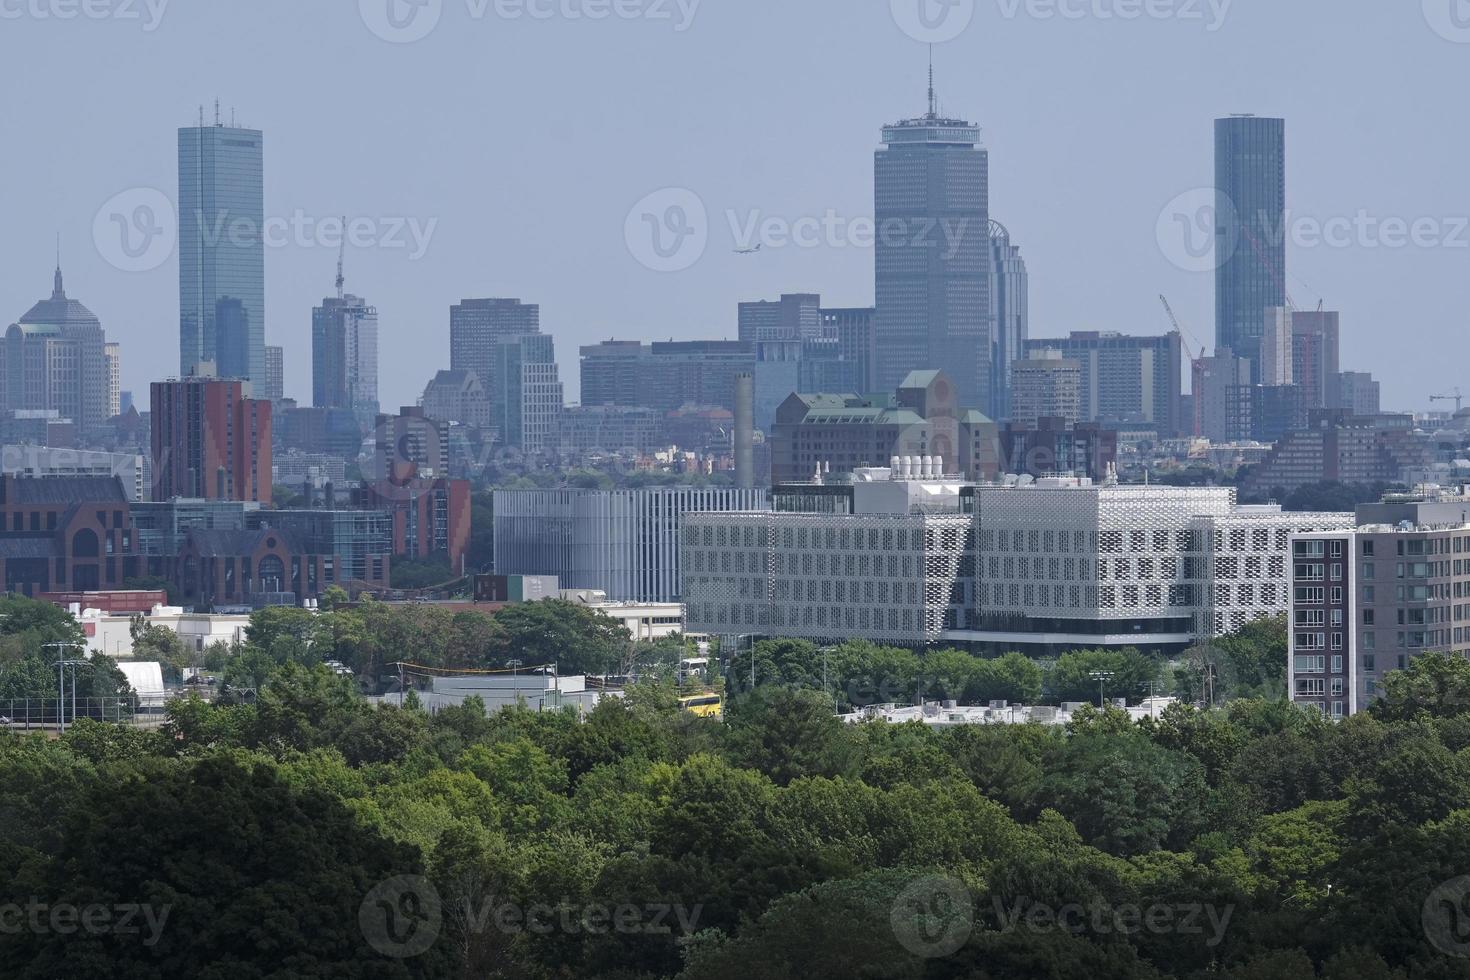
(1053, 566)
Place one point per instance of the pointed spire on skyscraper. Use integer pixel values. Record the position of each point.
(56, 291)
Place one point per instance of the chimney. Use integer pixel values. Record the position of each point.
(745, 431)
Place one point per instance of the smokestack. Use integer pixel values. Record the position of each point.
(744, 431)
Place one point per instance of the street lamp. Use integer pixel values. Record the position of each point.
(61, 664)
(1102, 677)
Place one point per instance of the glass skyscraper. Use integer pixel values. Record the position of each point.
(344, 357)
(932, 264)
(222, 252)
(1250, 231)
(1009, 317)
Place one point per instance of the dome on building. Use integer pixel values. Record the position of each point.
(59, 311)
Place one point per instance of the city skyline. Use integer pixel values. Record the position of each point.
(1068, 222)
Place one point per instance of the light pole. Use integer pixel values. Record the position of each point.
(1102, 677)
(61, 664)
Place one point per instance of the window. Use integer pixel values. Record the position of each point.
(1311, 687)
(1369, 615)
(1368, 549)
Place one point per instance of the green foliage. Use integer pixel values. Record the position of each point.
(781, 842)
(425, 573)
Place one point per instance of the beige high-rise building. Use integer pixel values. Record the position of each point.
(1046, 385)
(112, 352)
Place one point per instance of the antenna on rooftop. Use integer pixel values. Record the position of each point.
(341, 253)
(932, 112)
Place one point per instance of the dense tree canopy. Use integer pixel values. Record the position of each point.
(296, 828)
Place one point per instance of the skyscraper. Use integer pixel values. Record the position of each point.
(210, 441)
(1250, 231)
(476, 325)
(275, 374)
(932, 258)
(222, 251)
(852, 328)
(795, 316)
(526, 394)
(1314, 345)
(55, 359)
(112, 356)
(1009, 319)
(344, 356)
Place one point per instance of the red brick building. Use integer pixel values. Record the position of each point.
(64, 534)
(210, 441)
(429, 516)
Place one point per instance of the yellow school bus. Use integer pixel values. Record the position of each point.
(704, 705)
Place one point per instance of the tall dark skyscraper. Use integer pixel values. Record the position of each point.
(344, 355)
(1009, 317)
(476, 327)
(932, 265)
(222, 251)
(1250, 231)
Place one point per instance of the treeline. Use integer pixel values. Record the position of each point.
(1249, 663)
(312, 834)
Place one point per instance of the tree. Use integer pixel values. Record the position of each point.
(1434, 684)
(787, 734)
(153, 642)
(554, 631)
(1014, 678)
(1131, 674)
(246, 877)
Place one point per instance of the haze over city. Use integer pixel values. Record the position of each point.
(517, 144)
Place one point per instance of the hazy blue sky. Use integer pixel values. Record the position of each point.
(528, 140)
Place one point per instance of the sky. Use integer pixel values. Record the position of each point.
(515, 148)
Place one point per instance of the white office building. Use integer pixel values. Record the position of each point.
(885, 558)
(1065, 563)
(622, 542)
(904, 556)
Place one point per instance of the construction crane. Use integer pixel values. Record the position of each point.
(1196, 364)
(1457, 398)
